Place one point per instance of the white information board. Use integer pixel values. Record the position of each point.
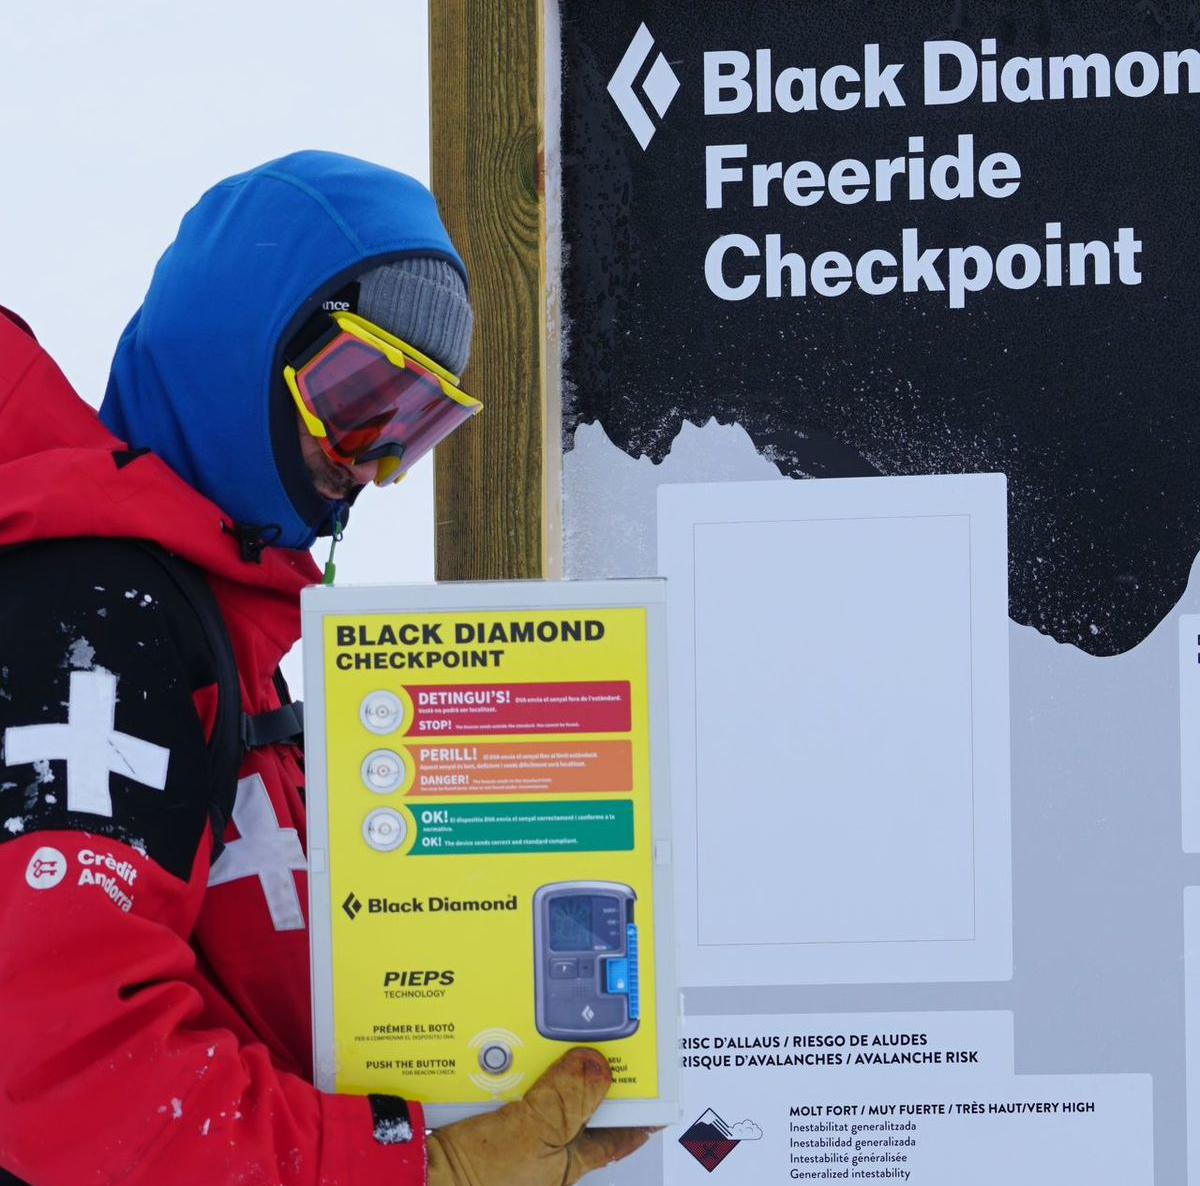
(898, 1097)
(839, 729)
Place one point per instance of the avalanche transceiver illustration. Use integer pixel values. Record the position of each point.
(585, 954)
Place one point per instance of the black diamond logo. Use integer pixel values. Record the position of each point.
(351, 906)
(659, 86)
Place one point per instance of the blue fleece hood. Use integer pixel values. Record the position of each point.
(198, 373)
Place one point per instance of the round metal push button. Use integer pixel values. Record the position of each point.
(382, 712)
(382, 771)
(495, 1058)
(384, 829)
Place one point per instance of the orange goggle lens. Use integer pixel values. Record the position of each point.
(373, 407)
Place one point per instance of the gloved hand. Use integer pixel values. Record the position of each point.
(539, 1140)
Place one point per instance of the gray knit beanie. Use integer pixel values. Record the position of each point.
(423, 301)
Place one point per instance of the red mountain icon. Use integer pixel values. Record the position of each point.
(708, 1140)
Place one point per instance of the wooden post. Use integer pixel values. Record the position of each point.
(487, 173)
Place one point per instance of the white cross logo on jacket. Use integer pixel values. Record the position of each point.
(90, 745)
(264, 850)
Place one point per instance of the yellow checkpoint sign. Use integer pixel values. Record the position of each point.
(487, 835)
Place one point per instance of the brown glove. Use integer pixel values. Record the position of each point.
(539, 1140)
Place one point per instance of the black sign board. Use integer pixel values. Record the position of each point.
(906, 239)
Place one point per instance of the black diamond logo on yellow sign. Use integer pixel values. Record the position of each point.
(351, 906)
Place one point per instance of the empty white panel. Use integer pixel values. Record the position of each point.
(839, 689)
(833, 731)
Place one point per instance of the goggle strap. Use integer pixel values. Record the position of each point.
(316, 333)
(388, 449)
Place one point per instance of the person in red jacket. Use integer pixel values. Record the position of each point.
(301, 337)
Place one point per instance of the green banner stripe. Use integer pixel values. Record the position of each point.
(573, 826)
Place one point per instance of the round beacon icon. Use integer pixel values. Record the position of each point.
(384, 829)
(382, 712)
(382, 771)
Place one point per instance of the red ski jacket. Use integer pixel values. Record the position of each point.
(154, 1004)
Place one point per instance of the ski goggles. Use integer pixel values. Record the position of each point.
(365, 395)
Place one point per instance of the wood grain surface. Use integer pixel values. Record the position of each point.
(487, 176)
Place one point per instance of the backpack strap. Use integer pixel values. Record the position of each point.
(225, 741)
(283, 724)
(234, 732)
